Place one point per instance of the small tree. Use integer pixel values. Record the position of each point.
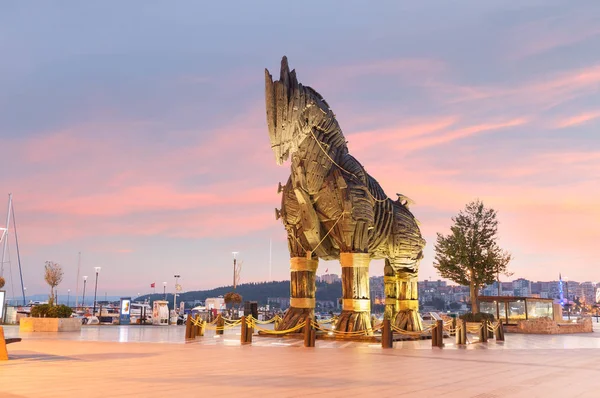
(53, 275)
(233, 298)
(2, 282)
(470, 255)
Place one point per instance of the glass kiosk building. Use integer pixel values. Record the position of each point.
(511, 309)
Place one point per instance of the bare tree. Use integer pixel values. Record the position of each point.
(53, 275)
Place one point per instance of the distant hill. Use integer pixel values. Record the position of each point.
(252, 292)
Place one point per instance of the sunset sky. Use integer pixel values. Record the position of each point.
(135, 132)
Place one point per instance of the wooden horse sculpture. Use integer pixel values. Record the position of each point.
(332, 209)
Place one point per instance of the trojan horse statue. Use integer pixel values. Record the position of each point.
(332, 209)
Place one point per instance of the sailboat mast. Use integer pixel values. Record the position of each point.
(5, 234)
(18, 253)
(270, 259)
(77, 283)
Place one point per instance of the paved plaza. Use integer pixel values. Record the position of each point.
(111, 361)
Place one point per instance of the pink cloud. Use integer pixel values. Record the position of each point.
(543, 93)
(422, 135)
(577, 119)
(417, 128)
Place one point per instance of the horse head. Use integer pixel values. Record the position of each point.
(293, 110)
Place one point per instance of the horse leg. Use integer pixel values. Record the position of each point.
(356, 304)
(390, 287)
(302, 289)
(408, 317)
(303, 266)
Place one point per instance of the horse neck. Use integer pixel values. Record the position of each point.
(316, 156)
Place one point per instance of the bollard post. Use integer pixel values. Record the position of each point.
(249, 332)
(461, 334)
(458, 334)
(220, 324)
(244, 331)
(199, 326)
(3, 351)
(500, 332)
(490, 330)
(309, 336)
(387, 337)
(188, 327)
(453, 327)
(434, 336)
(483, 331)
(194, 329)
(439, 330)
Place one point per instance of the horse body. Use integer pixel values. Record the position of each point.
(333, 209)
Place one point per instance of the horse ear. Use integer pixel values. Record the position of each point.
(271, 104)
(287, 78)
(285, 69)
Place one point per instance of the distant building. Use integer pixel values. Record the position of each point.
(325, 304)
(279, 302)
(587, 292)
(377, 290)
(522, 287)
(329, 278)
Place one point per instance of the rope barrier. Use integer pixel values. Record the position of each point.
(272, 320)
(251, 323)
(474, 329)
(355, 333)
(493, 327)
(411, 332)
(254, 323)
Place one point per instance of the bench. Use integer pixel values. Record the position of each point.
(4, 342)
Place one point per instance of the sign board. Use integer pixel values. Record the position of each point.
(2, 307)
(125, 311)
(160, 313)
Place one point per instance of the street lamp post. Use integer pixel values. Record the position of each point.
(176, 276)
(234, 270)
(165, 291)
(83, 299)
(95, 290)
(68, 296)
(568, 303)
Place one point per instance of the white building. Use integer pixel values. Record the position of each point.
(217, 303)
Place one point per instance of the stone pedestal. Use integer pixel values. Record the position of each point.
(49, 325)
